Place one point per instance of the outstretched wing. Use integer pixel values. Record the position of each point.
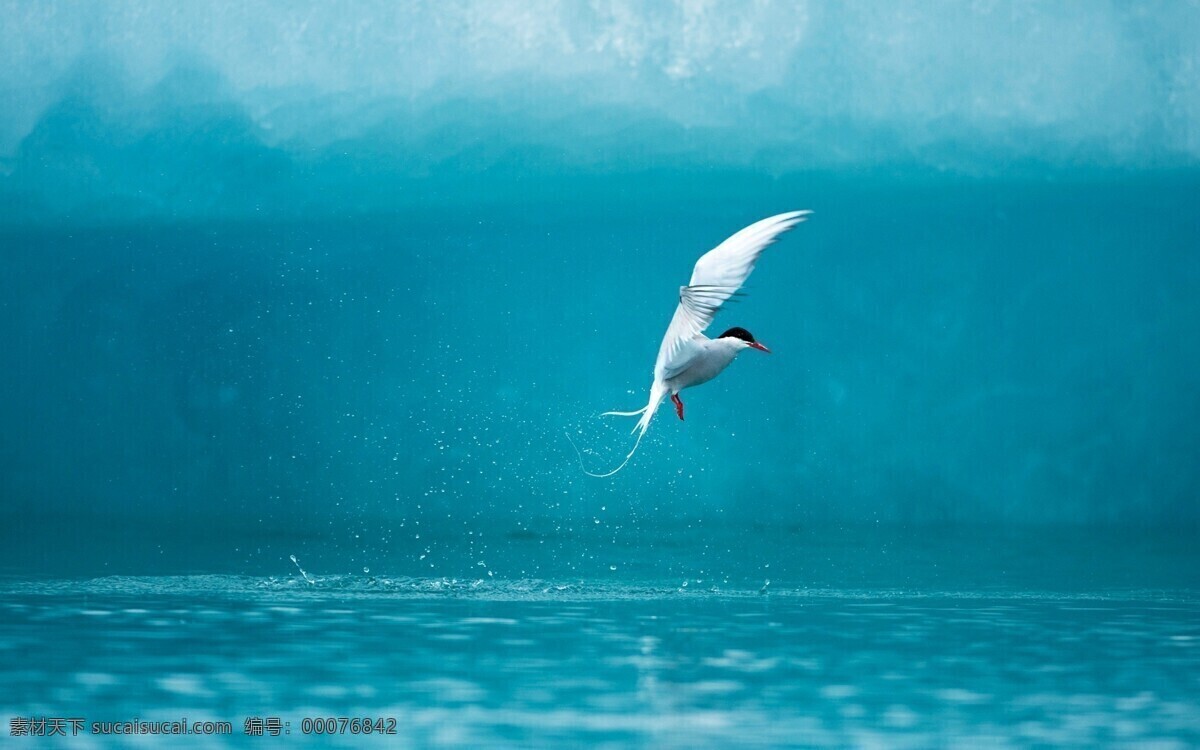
(718, 275)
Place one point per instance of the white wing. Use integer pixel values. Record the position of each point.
(718, 275)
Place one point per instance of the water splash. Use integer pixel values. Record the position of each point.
(306, 576)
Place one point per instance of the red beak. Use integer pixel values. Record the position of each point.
(760, 347)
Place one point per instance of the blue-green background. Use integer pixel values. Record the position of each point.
(302, 269)
(299, 302)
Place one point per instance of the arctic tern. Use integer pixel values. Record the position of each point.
(687, 357)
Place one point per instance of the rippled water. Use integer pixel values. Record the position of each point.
(554, 664)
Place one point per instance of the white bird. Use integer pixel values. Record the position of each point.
(687, 357)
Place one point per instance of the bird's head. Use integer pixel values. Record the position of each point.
(745, 337)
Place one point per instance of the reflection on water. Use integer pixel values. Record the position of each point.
(530, 663)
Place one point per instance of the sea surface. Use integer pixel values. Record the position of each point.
(940, 643)
(532, 663)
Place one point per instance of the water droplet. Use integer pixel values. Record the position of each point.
(302, 573)
(612, 567)
(366, 569)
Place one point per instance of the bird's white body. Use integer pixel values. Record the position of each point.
(713, 356)
(687, 357)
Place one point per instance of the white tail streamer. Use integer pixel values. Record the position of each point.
(657, 393)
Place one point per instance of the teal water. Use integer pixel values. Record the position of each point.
(528, 663)
(299, 304)
(680, 638)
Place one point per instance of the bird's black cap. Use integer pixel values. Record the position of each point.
(738, 333)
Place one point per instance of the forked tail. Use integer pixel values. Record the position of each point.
(657, 393)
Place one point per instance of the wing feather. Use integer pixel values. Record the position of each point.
(718, 276)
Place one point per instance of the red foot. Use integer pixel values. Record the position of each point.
(678, 404)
